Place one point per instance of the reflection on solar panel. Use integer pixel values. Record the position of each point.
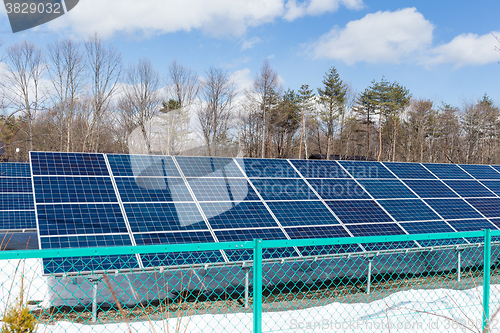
(17, 211)
(84, 200)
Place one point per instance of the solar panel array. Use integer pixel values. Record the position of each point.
(17, 211)
(108, 200)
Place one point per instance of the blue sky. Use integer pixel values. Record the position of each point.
(440, 50)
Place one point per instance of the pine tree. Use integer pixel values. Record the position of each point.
(333, 97)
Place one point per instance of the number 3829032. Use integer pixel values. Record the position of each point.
(32, 8)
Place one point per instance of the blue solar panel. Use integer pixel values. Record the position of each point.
(430, 189)
(60, 164)
(453, 208)
(387, 189)
(165, 216)
(471, 225)
(481, 171)
(447, 171)
(17, 219)
(409, 170)
(222, 189)
(383, 229)
(74, 189)
(322, 232)
(84, 219)
(338, 189)
(493, 185)
(302, 213)
(145, 189)
(225, 215)
(185, 237)
(469, 188)
(208, 167)
(16, 201)
(267, 168)
(489, 207)
(142, 166)
(367, 169)
(408, 210)
(319, 169)
(15, 170)
(432, 227)
(352, 211)
(15, 185)
(284, 189)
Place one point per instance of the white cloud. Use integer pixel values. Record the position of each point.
(216, 17)
(248, 44)
(467, 49)
(295, 10)
(378, 37)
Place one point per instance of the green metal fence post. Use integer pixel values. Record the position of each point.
(486, 279)
(257, 285)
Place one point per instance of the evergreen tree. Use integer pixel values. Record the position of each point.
(333, 97)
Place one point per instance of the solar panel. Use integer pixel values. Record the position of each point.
(387, 189)
(17, 211)
(284, 189)
(409, 170)
(367, 169)
(86, 200)
(319, 169)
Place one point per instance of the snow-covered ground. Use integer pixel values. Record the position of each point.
(438, 310)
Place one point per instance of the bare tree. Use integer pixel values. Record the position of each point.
(217, 112)
(142, 96)
(183, 84)
(25, 68)
(67, 73)
(105, 66)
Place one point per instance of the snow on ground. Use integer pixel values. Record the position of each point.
(438, 310)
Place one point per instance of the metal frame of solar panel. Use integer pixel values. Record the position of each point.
(171, 200)
(17, 211)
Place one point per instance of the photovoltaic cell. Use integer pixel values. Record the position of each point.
(302, 213)
(142, 166)
(432, 227)
(75, 164)
(15, 170)
(186, 237)
(447, 171)
(338, 189)
(362, 169)
(471, 225)
(15, 185)
(84, 219)
(152, 217)
(469, 188)
(146, 189)
(225, 215)
(409, 170)
(489, 207)
(365, 230)
(222, 189)
(453, 208)
(74, 189)
(267, 168)
(408, 210)
(322, 232)
(386, 189)
(352, 211)
(319, 169)
(16, 201)
(481, 171)
(493, 185)
(17, 219)
(208, 167)
(430, 189)
(284, 189)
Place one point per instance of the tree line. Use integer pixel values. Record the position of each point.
(79, 96)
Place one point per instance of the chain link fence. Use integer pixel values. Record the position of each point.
(410, 283)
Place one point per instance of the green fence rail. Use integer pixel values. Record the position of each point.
(364, 284)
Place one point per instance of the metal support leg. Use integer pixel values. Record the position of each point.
(246, 269)
(459, 265)
(369, 280)
(95, 282)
